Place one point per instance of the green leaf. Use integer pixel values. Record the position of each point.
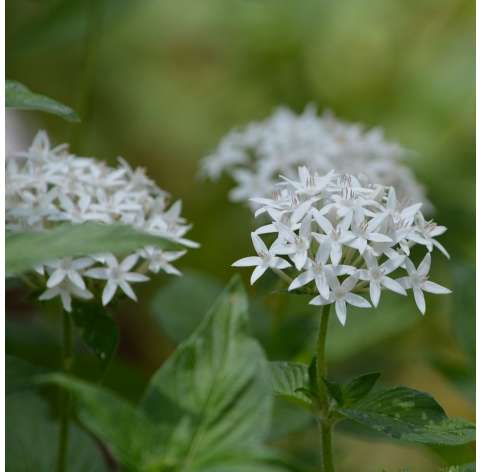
(25, 250)
(19, 374)
(125, 429)
(19, 96)
(291, 381)
(410, 415)
(32, 436)
(99, 331)
(359, 388)
(179, 314)
(335, 391)
(216, 384)
(210, 403)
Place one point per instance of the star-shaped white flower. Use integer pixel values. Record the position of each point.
(340, 295)
(334, 236)
(417, 279)
(265, 259)
(159, 259)
(317, 271)
(68, 268)
(377, 276)
(65, 290)
(117, 275)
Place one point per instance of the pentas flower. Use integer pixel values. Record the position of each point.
(257, 154)
(47, 186)
(343, 241)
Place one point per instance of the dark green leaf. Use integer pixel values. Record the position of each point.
(312, 371)
(359, 388)
(32, 437)
(19, 96)
(179, 314)
(215, 386)
(25, 250)
(410, 415)
(19, 374)
(335, 391)
(99, 331)
(291, 380)
(128, 433)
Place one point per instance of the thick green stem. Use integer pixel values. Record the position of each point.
(67, 362)
(324, 423)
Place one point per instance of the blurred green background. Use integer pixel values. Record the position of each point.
(160, 82)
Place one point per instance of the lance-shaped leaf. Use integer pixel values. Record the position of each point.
(410, 415)
(27, 249)
(291, 381)
(358, 388)
(206, 409)
(217, 384)
(19, 96)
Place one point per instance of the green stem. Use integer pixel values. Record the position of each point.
(67, 362)
(324, 423)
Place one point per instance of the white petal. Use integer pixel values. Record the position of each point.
(76, 279)
(393, 285)
(433, 287)
(82, 263)
(129, 262)
(279, 263)
(135, 277)
(379, 238)
(301, 280)
(375, 292)
(56, 278)
(419, 299)
(357, 300)
(425, 265)
(66, 300)
(248, 262)
(49, 294)
(127, 289)
(341, 311)
(336, 253)
(258, 272)
(259, 245)
(109, 291)
(97, 273)
(322, 285)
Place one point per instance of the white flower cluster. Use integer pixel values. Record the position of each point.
(46, 186)
(256, 155)
(338, 238)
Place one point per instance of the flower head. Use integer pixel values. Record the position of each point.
(339, 239)
(47, 186)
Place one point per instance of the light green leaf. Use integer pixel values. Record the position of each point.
(410, 415)
(99, 331)
(209, 403)
(123, 428)
(179, 314)
(19, 96)
(32, 436)
(216, 384)
(25, 250)
(288, 381)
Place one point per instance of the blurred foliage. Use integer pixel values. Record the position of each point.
(161, 82)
